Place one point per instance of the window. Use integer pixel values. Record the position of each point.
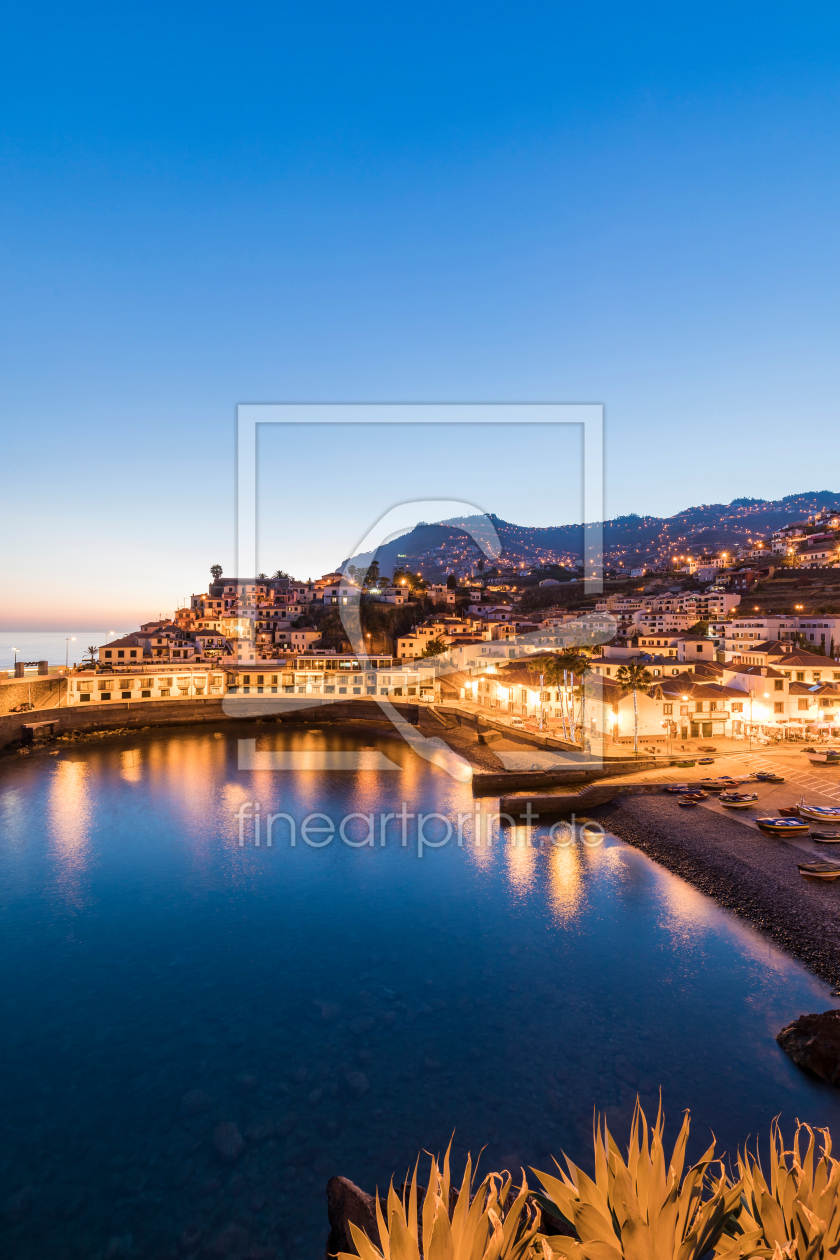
(145, 695)
(121, 653)
(737, 706)
(698, 706)
(778, 684)
(109, 653)
(800, 675)
(126, 695)
(667, 708)
(816, 675)
(84, 696)
(801, 705)
(778, 706)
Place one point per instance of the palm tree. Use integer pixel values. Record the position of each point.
(569, 663)
(634, 677)
(215, 572)
(91, 650)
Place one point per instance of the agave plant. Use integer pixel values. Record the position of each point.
(481, 1228)
(798, 1214)
(642, 1208)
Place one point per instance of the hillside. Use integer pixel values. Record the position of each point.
(435, 549)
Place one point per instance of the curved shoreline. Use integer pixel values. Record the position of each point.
(752, 875)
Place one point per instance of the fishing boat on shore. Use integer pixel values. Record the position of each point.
(737, 800)
(826, 837)
(823, 756)
(819, 870)
(782, 826)
(820, 813)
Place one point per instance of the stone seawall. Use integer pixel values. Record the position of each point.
(134, 715)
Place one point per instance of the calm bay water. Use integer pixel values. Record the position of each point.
(344, 1006)
(54, 646)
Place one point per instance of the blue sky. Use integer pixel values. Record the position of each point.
(201, 205)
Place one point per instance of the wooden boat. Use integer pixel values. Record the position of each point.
(697, 793)
(737, 800)
(826, 837)
(676, 787)
(687, 802)
(769, 776)
(789, 811)
(820, 813)
(706, 761)
(823, 756)
(782, 826)
(683, 765)
(819, 870)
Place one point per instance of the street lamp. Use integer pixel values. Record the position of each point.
(67, 643)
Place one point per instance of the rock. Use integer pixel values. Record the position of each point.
(18, 1204)
(330, 1011)
(361, 1024)
(190, 1238)
(260, 1129)
(195, 1101)
(346, 1203)
(228, 1141)
(813, 1042)
(119, 1247)
(232, 1241)
(357, 1083)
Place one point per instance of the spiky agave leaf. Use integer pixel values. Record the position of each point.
(480, 1227)
(796, 1214)
(641, 1208)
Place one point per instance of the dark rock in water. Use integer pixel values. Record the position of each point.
(346, 1203)
(190, 1238)
(361, 1024)
(813, 1042)
(260, 1129)
(18, 1204)
(330, 1011)
(232, 1241)
(195, 1101)
(228, 1141)
(357, 1083)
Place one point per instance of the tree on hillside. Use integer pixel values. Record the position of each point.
(262, 577)
(451, 582)
(372, 575)
(634, 678)
(435, 647)
(699, 627)
(280, 573)
(215, 572)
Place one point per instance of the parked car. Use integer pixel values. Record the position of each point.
(516, 721)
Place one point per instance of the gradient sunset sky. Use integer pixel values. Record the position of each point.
(211, 204)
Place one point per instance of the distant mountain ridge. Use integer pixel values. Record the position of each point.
(441, 547)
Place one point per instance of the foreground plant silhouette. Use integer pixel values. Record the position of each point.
(796, 1214)
(642, 1208)
(483, 1229)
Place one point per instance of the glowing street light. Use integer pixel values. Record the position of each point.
(67, 642)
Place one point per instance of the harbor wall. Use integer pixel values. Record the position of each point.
(119, 715)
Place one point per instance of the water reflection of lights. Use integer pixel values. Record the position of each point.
(521, 860)
(566, 882)
(69, 815)
(131, 765)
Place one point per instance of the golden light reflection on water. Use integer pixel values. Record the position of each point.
(565, 882)
(69, 821)
(131, 765)
(521, 860)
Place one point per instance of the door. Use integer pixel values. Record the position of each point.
(707, 729)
